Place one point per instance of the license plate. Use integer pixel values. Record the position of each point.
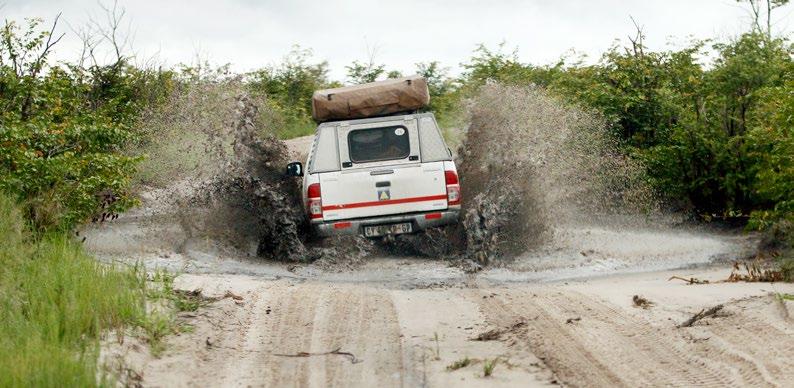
(382, 230)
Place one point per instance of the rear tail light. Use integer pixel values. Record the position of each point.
(314, 203)
(451, 177)
(453, 187)
(313, 191)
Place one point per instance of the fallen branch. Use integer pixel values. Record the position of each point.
(702, 314)
(336, 351)
(690, 280)
(230, 294)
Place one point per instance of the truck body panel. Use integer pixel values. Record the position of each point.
(378, 171)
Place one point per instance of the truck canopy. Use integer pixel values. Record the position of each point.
(325, 154)
(382, 166)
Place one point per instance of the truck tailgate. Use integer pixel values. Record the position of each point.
(384, 190)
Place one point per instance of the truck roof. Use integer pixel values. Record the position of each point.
(376, 119)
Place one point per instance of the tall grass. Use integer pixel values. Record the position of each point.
(55, 303)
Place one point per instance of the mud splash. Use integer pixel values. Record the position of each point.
(212, 181)
(532, 166)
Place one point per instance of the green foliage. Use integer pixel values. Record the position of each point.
(361, 73)
(496, 66)
(634, 89)
(716, 139)
(772, 139)
(288, 88)
(783, 296)
(165, 292)
(488, 366)
(67, 173)
(55, 302)
(156, 327)
(444, 101)
(62, 133)
(713, 157)
(462, 363)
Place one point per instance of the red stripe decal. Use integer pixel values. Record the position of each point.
(386, 202)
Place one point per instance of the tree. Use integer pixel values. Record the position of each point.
(762, 9)
(438, 81)
(361, 73)
(496, 65)
(25, 54)
(289, 86)
(62, 132)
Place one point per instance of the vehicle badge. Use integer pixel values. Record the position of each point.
(383, 194)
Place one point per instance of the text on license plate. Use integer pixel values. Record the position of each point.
(382, 230)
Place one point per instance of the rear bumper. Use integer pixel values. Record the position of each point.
(419, 221)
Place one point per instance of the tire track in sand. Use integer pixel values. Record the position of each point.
(604, 347)
(316, 319)
(754, 351)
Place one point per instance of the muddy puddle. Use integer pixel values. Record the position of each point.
(547, 196)
(583, 252)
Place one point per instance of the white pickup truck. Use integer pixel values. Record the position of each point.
(379, 176)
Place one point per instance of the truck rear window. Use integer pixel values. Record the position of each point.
(376, 144)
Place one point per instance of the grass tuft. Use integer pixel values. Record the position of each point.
(55, 303)
(437, 356)
(783, 297)
(488, 367)
(462, 363)
(156, 326)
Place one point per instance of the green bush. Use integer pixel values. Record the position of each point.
(288, 88)
(716, 139)
(772, 137)
(65, 173)
(63, 130)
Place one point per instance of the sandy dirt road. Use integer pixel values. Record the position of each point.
(558, 315)
(575, 333)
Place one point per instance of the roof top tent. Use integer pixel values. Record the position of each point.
(406, 94)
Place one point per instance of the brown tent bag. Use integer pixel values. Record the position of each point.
(370, 100)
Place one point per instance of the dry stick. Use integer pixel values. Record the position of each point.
(336, 351)
(702, 314)
(690, 280)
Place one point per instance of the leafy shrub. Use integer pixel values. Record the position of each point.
(288, 88)
(62, 133)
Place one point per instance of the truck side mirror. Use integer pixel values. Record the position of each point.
(295, 169)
